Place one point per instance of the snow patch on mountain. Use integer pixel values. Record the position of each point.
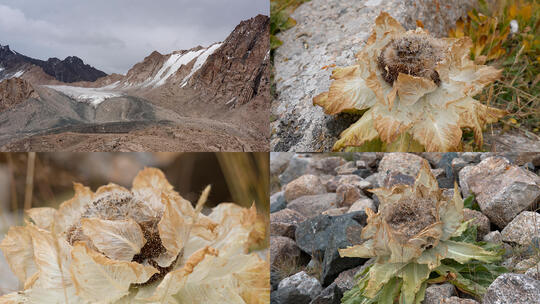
(200, 61)
(171, 66)
(18, 74)
(93, 96)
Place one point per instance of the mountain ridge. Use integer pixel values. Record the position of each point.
(69, 70)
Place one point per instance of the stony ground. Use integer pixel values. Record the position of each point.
(318, 205)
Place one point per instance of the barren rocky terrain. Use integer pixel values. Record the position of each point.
(214, 98)
(319, 201)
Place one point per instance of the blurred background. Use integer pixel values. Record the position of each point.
(29, 180)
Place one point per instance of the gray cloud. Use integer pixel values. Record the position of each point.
(113, 35)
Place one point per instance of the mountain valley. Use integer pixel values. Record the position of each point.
(207, 98)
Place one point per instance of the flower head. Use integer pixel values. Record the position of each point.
(411, 234)
(143, 245)
(413, 87)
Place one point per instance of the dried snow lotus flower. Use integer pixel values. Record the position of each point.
(410, 235)
(144, 245)
(417, 91)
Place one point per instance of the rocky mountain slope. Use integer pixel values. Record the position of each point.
(71, 69)
(222, 87)
(14, 91)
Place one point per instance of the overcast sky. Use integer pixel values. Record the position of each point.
(113, 35)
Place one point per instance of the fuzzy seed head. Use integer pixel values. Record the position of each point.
(413, 54)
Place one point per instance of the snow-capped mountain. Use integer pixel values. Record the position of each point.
(233, 72)
(209, 98)
(71, 69)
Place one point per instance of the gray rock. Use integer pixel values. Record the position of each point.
(470, 157)
(346, 279)
(313, 205)
(322, 236)
(432, 157)
(304, 185)
(298, 166)
(329, 295)
(373, 179)
(369, 158)
(274, 279)
(400, 164)
(502, 190)
(354, 180)
(493, 237)
(284, 222)
(279, 162)
(347, 168)
(336, 211)
(534, 272)
(523, 266)
(480, 220)
(283, 251)
(277, 202)
(456, 300)
(437, 292)
(350, 194)
(458, 164)
(446, 163)
(522, 229)
(299, 288)
(326, 165)
(512, 288)
(362, 204)
(332, 32)
(314, 235)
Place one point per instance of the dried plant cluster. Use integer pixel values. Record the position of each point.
(144, 245)
(413, 237)
(416, 91)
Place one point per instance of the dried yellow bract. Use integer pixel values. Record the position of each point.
(144, 245)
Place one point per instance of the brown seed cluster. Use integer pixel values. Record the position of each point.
(411, 216)
(412, 54)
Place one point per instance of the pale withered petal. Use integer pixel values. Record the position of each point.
(358, 133)
(96, 276)
(348, 93)
(70, 211)
(42, 217)
(19, 252)
(118, 240)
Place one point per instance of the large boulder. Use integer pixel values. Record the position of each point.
(313, 205)
(304, 185)
(299, 288)
(502, 190)
(522, 229)
(512, 288)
